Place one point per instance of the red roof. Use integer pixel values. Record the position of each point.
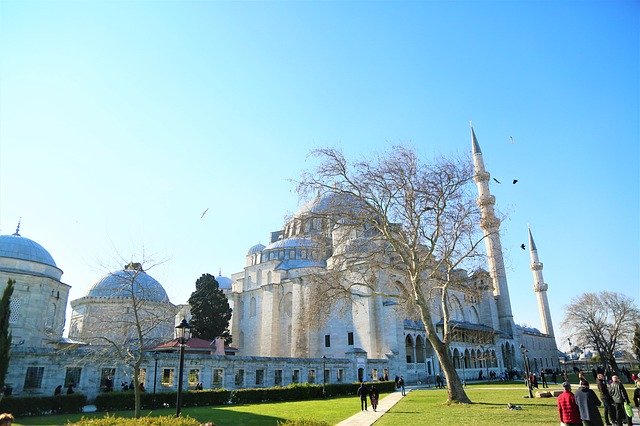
(193, 343)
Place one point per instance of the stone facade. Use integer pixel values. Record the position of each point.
(276, 346)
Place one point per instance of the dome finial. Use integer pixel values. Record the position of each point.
(17, 233)
(219, 271)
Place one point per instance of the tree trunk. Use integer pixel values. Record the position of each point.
(136, 391)
(455, 389)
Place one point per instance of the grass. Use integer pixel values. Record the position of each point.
(332, 411)
(420, 407)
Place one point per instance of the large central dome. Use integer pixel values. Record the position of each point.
(120, 284)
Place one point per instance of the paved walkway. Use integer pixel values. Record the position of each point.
(367, 418)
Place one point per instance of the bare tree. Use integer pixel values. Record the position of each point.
(416, 222)
(604, 321)
(129, 314)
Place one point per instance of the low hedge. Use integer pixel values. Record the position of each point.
(142, 421)
(42, 405)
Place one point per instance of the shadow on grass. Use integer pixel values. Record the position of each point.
(219, 416)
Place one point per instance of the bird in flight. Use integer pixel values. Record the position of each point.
(497, 181)
(204, 212)
(511, 139)
(515, 181)
(522, 246)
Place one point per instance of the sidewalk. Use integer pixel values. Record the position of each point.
(367, 418)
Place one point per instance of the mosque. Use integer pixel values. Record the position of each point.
(274, 344)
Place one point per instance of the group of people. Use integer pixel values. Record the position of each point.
(581, 408)
(372, 393)
(58, 390)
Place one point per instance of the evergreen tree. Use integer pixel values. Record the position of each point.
(210, 311)
(5, 334)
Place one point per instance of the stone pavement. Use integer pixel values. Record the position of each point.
(367, 418)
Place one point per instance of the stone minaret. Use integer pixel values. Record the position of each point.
(490, 225)
(540, 287)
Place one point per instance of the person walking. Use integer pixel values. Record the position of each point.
(567, 407)
(401, 384)
(58, 390)
(588, 404)
(607, 402)
(620, 397)
(543, 377)
(363, 393)
(374, 394)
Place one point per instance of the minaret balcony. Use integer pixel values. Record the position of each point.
(486, 200)
(490, 223)
(481, 176)
(536, 266)
(538, 287)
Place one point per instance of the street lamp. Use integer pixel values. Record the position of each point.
(183, 336)
(324, 373)
(156, 356)
(526, 367)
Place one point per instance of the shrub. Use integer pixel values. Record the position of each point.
(303, 422)
(41, 405)
(142, 421)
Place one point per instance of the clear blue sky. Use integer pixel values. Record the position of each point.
(121, 122)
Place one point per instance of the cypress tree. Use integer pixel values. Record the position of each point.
(210, 311)
(5, 334)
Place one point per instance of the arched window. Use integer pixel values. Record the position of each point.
(473, 315)
(467, 359)
(456, 358)
(286, 305)
(252, 307)
(419, 349)
(455, 309)
(409, 348)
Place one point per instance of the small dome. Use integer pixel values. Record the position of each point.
(255, 249)
(17, 247)
(118, 285)
(223, 282)
(291, 243)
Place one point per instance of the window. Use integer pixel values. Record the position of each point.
(218, 374)
(327, 376)
(295, 377)
(252, 307)
(167, 377)
(106, 379)
(259, 377)
(340, 375)
(193, 377)
(14, 308)
(239, 379)
(327, 341)
(374, 374)
(72, 377)
(278, 378)
(350, 338)
(142, 377)
(33, 378)
(311, 378)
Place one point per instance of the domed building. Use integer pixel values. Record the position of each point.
(108, 309)
(39, 298)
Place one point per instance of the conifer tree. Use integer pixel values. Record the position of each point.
(210, 311)
(636, 342)
(5, 334)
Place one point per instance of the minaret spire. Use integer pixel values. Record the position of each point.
(540, 288)
(490, 225)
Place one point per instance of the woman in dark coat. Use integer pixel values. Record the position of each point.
(588, 404)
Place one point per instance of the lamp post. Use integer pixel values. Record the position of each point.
(324, 373)
(183, 336)
(526, 367)
(156, 356)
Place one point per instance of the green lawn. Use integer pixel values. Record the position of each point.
(331, 410)
(420, 407)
